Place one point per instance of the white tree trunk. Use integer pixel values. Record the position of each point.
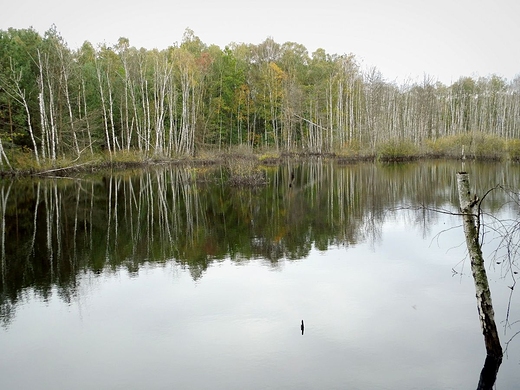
(468, 207)
(65, 75)
(86, 115)
(103, 105)
(14, 90)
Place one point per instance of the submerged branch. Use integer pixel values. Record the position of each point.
(70, 167)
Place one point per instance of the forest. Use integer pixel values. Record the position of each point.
(60, 103)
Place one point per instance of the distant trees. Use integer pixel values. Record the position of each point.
(58, 101)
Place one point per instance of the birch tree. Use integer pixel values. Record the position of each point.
(14, 89)
(470, 210)
(47, 108)
(65, 69)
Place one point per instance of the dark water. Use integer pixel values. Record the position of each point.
(171, 279)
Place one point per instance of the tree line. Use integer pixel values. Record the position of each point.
(56, 101)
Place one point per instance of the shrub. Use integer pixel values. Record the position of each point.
(350, 149)
(397, 150)
(472, 145)
(489, 147)
(449, 146)
(513, 148)
(244, 170)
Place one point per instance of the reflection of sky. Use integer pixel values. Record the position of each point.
(387, 317)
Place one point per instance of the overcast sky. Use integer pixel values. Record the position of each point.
(404, 39)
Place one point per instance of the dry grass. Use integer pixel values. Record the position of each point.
(243, 163)
(473, 145)
(397, 150)
(513, 149)
(244, 169)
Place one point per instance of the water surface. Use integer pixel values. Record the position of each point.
(169, 278)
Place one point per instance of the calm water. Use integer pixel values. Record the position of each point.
(170, 279)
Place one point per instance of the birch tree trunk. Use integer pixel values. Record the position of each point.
(65, 68)
(162, 77)
(48, 129)
(86, 113)
(115, 142)
(18, 94)
(483, 294)
(103, 106)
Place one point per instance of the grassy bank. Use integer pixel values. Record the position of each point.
(242, 161)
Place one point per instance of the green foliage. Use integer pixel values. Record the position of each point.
(22, 159)
(191, 96)
(18, 70)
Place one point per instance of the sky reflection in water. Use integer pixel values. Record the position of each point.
(389, 316)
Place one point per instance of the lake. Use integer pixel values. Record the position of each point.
(169, 278)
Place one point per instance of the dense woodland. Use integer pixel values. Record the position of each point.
(56, 101)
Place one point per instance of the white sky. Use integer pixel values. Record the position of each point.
(404, 39)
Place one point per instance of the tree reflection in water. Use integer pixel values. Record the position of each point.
(54, 230)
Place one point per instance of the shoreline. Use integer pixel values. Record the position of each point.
(225, 158)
